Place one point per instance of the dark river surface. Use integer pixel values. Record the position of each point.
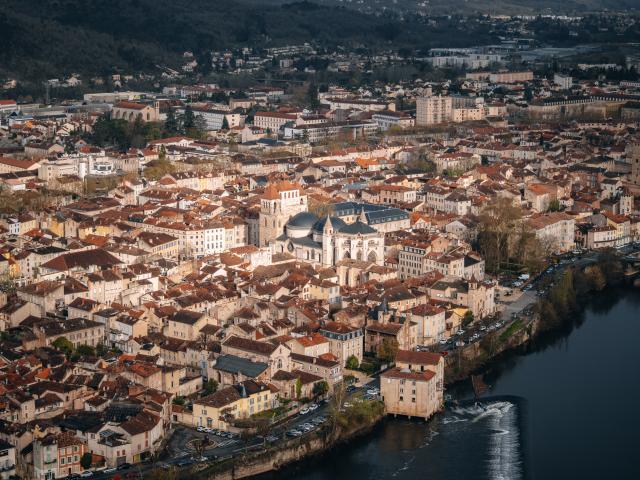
(567, 407)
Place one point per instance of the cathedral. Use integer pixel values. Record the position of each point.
(288, 227)
(326, 241)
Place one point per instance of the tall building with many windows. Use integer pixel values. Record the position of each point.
(433, 109)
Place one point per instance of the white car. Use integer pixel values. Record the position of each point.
(373, 391)
(313, 407)
(304, 411)
(200, 429)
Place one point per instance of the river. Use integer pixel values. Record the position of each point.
(566, 407)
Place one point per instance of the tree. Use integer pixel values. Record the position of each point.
(200, 127)
(467, 319)
(298, 388)
(312, 96)
(101, 349)
(388, 349)
(86, 350)
(596, 279)
(64, 345)
(225, 123)
(554, 205)
(188, 119)
(352, 362)
(320, 388)
(85, 460)
(171, 123)
(210, 387)
(496, 231)
(336, 403)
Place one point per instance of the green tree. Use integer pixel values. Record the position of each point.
(171, 123)
(312, 96)
(210, 387)
(225, 123)
(86, 350)
(85, 460)
(320, 388)
(298, 388)
(64, 345)
(188, 119)
(101, 349)
(199, 129)
(554, 206)
(352, 362)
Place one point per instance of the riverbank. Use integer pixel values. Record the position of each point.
(345, 427)
(551, 312)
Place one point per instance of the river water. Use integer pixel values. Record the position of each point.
(566, 408)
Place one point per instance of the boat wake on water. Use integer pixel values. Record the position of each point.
(500, 428)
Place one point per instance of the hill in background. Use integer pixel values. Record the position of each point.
(45, 38)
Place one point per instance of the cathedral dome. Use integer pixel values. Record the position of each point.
(300, 225)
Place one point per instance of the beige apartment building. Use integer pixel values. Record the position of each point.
(433, 109)
(344, 340)
(273, 120)
(414, 388)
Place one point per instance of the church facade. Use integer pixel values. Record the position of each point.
(326, 241)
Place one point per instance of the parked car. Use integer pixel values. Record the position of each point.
(304, 411)
(124, 466)
(86, 474)
(313, 407)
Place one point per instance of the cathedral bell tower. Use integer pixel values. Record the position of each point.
(328, 247)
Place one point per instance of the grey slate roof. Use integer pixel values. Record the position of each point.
(234, 364)
(357, 228)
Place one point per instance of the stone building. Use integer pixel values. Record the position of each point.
(279, 203)
(329, 240)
